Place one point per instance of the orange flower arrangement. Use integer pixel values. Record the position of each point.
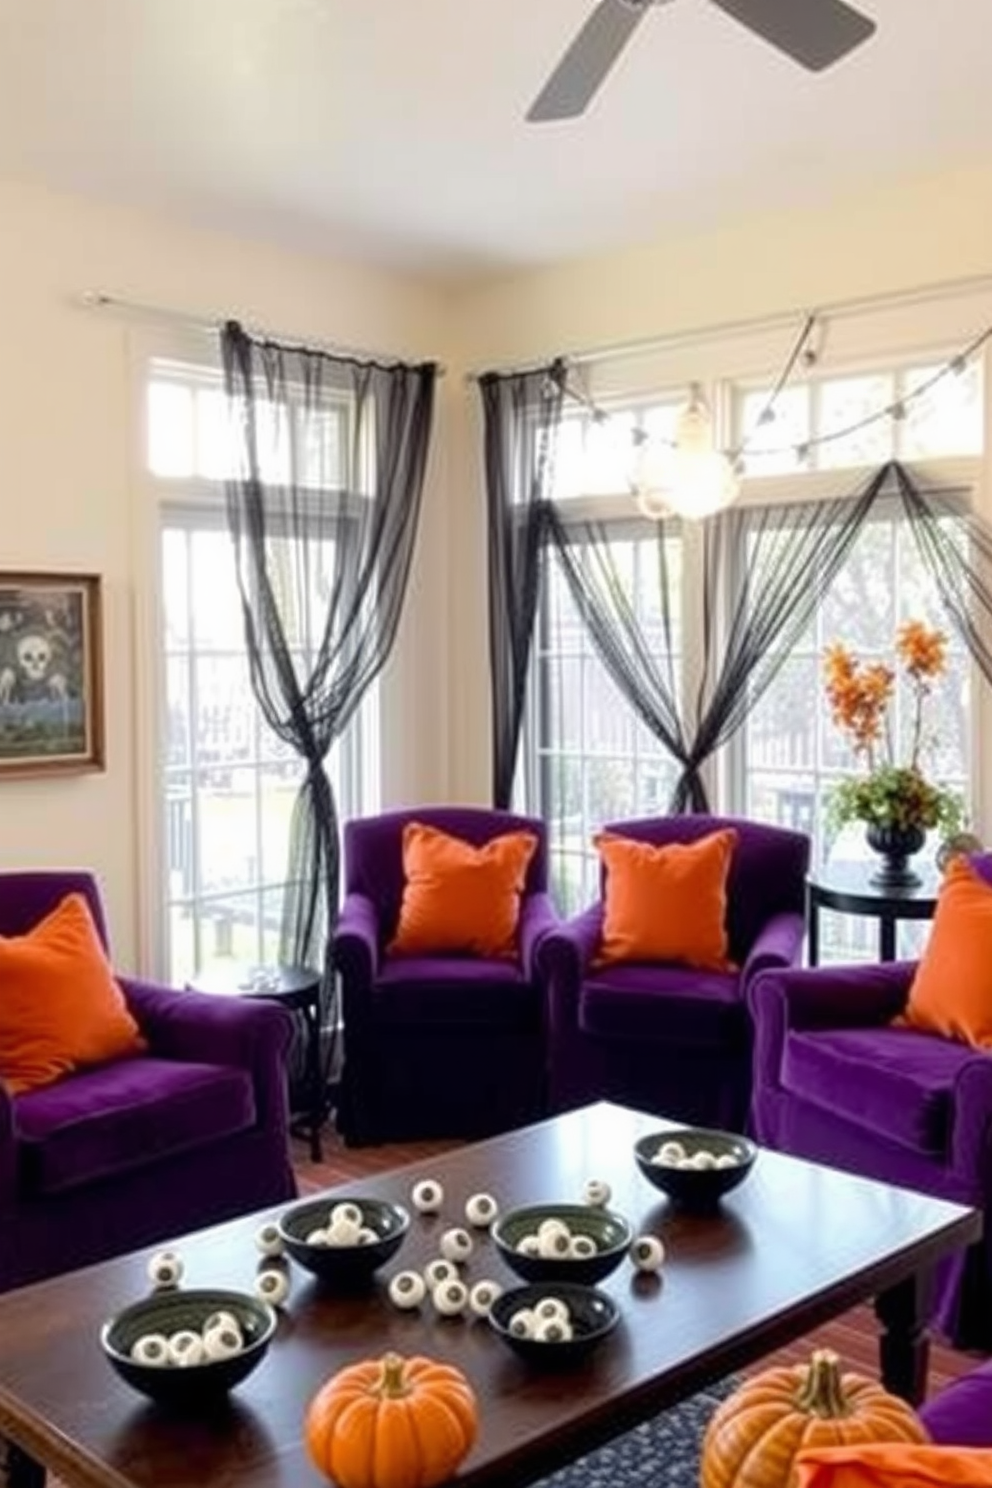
(859, 694)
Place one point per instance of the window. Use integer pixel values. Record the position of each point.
(595, 760)
(228, 784)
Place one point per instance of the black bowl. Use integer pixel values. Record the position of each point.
(594, 1314)
(695, 1188)
(610, 1231)
(166, 1312)
(343, 1265)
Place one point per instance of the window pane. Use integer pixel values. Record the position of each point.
(947, 419)
(279, 786)
(170, 429)
(770, 449)
(844, 402)
(177, 745)
(226, 830)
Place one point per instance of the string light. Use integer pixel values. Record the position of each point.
(648, 484)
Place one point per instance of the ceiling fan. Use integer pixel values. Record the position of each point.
(815, 33)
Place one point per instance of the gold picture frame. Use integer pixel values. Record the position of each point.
(51, 674)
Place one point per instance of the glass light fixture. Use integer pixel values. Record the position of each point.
(691, 479)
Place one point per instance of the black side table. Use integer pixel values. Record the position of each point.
(296, 988)
(847, 887)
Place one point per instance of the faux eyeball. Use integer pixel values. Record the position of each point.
(481, 1209)
(726, 1160)
(222, 1342)
(165, 1269)
(185, 1348)
(407, 1289)
(552, 1330)
(552, 1227)
(450, 1298)
(703, 1160)
(220, 1319)
(366, 1236)
(670, 1154)
(687, 1164)
(268, 1240)
(427, 1196)
(343, 1232)
(556, 1245)
(439, 1270)
(457, 1245)
(272, 1286)
(317, 1237)
(529, 1245)
(346, 1213)
(551, 1307)
(597, 1192)
(151, 1348)
(522, 1324)
(482, 1296)
(647, 1253)
(581, 1247)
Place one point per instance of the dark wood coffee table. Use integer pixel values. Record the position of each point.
(793, 1246)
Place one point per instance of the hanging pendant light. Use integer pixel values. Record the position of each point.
(692, 478)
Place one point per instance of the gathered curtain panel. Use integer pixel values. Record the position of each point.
(522, 415)
(765, 570)
(329, 459)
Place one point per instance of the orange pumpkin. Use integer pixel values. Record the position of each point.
(753, 1438)
(392, 1423)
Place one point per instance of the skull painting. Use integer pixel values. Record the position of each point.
(34, 657)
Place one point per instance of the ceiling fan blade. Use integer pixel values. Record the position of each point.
(585, 65)
(815, 33)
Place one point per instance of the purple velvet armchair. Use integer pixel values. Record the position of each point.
(836, 1083)
(435, 1046)
(668, 1038)
(124, 1154)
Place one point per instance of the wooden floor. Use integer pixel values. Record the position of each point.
(854, 1335)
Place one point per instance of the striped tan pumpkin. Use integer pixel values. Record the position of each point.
(753, 1438)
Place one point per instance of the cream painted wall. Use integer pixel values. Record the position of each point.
(919, 233)
(69, 487)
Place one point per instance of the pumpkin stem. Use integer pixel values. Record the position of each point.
(822, 1393)
(392, 1384)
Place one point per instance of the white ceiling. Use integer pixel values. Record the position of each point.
(394, 129)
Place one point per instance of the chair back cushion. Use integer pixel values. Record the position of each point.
(373, 851)
(26, 898)
(767, 873)
(60, 1006)
(666, 903)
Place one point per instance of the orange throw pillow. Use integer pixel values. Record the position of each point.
(460, 898)
(666, 903)
(59, 1004)
(951, 992)
(894, 1465)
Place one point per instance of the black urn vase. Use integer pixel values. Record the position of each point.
(895, 846)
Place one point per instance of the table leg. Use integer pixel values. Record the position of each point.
(812, 927)
(904, 1346)
(22, 1470)
(315, 1078)
(887, 938)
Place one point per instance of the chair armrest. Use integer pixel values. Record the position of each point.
(778, 944)
(820, 997)
(538, 918)
(971, 1138)
(8, 1150)
(564, 956)
(355, 944)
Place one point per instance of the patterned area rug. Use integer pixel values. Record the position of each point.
(661, 1453)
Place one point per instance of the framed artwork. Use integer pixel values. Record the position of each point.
(51, 674)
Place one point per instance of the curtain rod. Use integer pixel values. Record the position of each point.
(100, 299)
(833, 309)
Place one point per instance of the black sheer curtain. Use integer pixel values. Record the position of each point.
(521, 417)
(638, 654)
(329, 456)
